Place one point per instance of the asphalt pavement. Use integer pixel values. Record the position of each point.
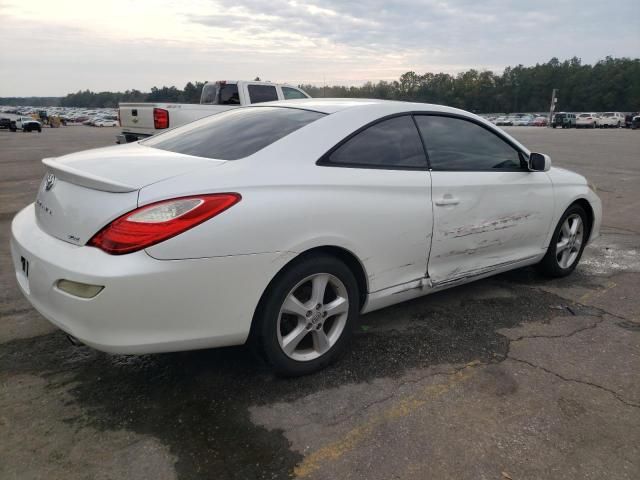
(512, 377)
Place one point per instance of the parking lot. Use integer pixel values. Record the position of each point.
(512, 377)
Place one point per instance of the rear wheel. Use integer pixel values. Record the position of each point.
(567, 243)
(306, 317)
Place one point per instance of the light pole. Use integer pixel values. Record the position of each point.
(552, 107)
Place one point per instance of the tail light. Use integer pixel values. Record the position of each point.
(157, 222)
(160, 118)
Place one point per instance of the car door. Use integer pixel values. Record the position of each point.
(386, 205)
(489, 210)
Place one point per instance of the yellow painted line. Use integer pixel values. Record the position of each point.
(401, 409)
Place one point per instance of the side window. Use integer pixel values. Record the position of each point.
(393, 144)
(456, 144)
(262, 93)
(292, 93)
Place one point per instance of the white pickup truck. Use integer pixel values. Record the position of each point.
(141, 120)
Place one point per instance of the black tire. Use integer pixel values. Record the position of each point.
(549, 265)
(264, 335)
(39, 129)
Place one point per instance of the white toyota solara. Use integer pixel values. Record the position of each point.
(280, 223)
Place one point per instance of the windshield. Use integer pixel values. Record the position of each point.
(608, 114)
(584, 115)
(233, 134)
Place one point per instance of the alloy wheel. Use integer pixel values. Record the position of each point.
(313, 317)
(569, 241)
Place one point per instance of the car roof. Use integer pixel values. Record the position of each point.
(333, 105)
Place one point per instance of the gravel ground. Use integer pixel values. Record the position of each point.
(515, 376)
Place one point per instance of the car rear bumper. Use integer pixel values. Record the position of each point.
(126, 137)
(146, 305)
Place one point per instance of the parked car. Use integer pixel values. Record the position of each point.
(628, 119)
(265, 215)
(635, 122)
(540, 121)
(503, 121)
(611, 119)
(588, 120)
(141, 120)
(564, 120)
(28, 124)
(5, 123)
(523, 121)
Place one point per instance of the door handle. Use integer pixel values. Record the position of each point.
(447, 200)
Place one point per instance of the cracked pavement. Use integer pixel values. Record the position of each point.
(515, 376)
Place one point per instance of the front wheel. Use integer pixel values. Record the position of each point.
(306, 317)
(567, 243)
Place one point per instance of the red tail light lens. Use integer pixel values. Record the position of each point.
(157, 222)
(160, 118)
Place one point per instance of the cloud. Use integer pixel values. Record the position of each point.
(58, 47)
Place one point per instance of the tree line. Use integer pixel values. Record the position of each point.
(189, 94)
(609, 84)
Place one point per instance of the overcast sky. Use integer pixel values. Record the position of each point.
(54, 47)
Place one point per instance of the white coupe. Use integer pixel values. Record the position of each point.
(281, 223)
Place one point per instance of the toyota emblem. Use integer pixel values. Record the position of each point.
(49, 181)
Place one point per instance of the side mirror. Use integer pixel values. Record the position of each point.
(539, 162)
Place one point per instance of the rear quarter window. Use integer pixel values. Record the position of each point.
(234, 134)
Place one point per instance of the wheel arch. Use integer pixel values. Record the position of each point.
(346, 256)
(586, 206)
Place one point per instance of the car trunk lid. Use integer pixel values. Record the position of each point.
(82, 192)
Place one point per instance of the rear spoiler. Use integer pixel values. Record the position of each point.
(84, 179)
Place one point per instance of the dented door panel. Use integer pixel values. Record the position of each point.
(486, 219)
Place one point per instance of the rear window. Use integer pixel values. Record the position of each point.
(220, 94)
(233, 134)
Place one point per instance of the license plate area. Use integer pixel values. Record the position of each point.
(25, 266)
(22, 274)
